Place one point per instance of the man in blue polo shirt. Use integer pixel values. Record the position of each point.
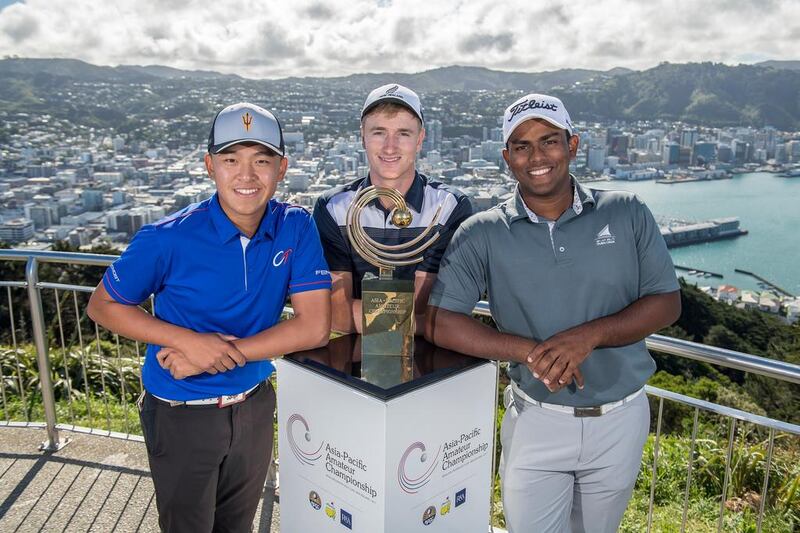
(220, 271)
(576, 279)
(392, 131)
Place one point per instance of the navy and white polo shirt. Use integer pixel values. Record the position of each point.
(206, 276)
(423, 199)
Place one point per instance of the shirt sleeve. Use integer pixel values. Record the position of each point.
(433, 255)
(336, 250)
(462, 277)
(139, 271)
(656, 271)
(309, 269)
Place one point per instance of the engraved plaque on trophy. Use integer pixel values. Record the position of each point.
(387, 303)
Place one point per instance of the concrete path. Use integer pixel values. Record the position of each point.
(95, 483)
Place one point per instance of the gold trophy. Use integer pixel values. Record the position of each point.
(387, 303)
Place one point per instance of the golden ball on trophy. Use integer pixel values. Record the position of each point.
(401, 217)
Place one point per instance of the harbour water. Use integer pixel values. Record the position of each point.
(767, 206)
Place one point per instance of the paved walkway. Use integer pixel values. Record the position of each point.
(95, 483)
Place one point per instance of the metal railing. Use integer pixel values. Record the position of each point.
(39, 326)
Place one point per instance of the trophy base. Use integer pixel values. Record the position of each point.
(387, 317)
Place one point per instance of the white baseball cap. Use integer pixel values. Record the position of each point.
(245, 122)
(393, 92)
(531, 106)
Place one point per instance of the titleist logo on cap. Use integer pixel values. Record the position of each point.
(530, 104)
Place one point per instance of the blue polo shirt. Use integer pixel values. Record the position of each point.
(207, 277)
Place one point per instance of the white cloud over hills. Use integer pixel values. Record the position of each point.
(262, 38)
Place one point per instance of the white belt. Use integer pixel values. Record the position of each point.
(597, 410)
(220, 401)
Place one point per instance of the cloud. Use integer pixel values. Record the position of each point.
(484, 41)
(319, 11)
(339, 37)
(18, 24)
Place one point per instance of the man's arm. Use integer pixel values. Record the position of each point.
(557, 359)
(208, 351)
(465, 334)
(308, 328)
(346, 311)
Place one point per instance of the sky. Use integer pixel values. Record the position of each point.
(282, 38)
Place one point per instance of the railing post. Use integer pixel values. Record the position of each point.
(53, 443)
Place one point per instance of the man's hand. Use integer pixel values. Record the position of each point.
(556, 361)
(211, 352)
(178, 364)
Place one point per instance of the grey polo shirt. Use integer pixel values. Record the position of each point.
(602, 254)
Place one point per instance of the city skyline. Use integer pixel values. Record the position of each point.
(312, 38)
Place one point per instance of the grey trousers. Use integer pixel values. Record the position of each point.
(563, 474)
(209, 464)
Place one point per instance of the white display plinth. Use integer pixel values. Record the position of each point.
(414, 454)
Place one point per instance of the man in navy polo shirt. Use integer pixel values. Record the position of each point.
(392, 131)
(220, 271)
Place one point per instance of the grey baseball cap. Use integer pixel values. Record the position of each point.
(245, 122)
(393, 92)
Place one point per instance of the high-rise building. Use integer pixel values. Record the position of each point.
(689, 137)
(596, 159)
(671, 153)
(741, 152)
(704, 153)
(41, 215)
(724, 153)
(16, 230)
(92, 199)
(433, 135)
(619, 146)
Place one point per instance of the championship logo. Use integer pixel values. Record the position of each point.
(412, 483)
(303, 455)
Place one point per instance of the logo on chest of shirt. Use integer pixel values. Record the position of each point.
(281, 257)
(604, 236)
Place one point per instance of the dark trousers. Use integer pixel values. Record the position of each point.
(208, 463)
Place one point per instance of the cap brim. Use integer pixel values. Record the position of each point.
(394, 100)
(533, 116)
(217, 148)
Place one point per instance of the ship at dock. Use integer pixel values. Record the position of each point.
(683, 234)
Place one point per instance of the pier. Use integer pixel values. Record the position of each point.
(698, 271)
(771, 285)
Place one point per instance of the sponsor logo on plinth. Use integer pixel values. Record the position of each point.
(429, 515)
(346, 519)
(315, 500)
(330, 510)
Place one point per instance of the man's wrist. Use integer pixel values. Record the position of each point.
(525, 349)
(594, 332)
(182, 338)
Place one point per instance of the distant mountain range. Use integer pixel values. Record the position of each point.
(714, 94)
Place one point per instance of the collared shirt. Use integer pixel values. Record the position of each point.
(206, 277)
(423, 198)
(603, 253)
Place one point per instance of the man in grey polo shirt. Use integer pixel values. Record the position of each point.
(576, 279)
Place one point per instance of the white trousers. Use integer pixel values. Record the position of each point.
(563, 474)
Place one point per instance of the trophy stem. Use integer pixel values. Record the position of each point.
(385, 273)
